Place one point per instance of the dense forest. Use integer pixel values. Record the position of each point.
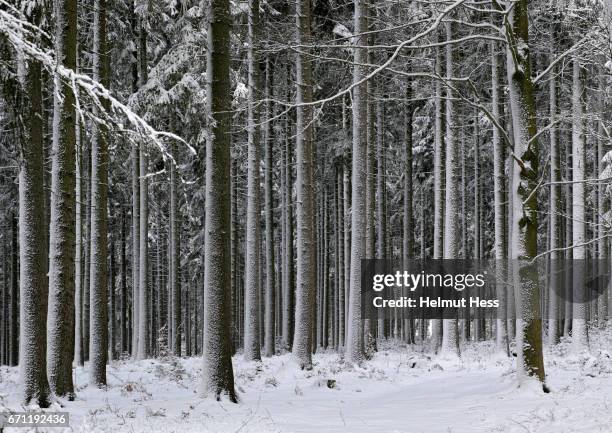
(183, 178)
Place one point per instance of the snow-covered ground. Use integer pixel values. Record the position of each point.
(400, 390)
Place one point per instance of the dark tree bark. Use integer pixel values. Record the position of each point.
(32, 215)
(60, 349)
(217, 374)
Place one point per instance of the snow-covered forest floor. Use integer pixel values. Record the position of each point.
(403, 389)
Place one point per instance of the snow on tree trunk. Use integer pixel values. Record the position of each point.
(60, 332)
(174, 320)
(340, 254)
(347, 241)
(408, 226)
(603, 206)
(530, 361)
(450, 341)
(306, 271)
(252, 277)
(381, 205)
(580, 304)
(112, 328)
(98, 271)
(143, 338)
(499, 220)
(269, 348)
(438, 235)
(78, 274)
(135, 246)
(288, 291)
(32, 279)
(143, 268)
(124, 307)
(555, 281)
(217, 371)
(354, 340)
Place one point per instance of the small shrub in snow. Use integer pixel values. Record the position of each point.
(271, 381)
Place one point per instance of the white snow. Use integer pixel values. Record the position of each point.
(401, 390)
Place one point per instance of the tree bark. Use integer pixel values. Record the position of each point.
(217, 371)
(60, 333)
(354, 338)
(524, 203)
(252, 277)
(306, 276)
(98, 341)
(32, 282)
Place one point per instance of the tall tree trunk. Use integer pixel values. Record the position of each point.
(438, 235)
(555, 281)
(135, 198)
(33, 281)
(354, 341)
(60, 331)
(112, 304)
(499, 220)
(87, 252)
(288, 271)
(524, 201)
(269, 348)
(14, 307)
(252, 277)
(408, 235)
(381, 205)
(135, 247)
(124, 297)
(217, 371)
(175, 259)
(98, 340)
(306, 271)
(450, 342)
(340, 253)
(580, 304)
(79, 256)
(143, 346)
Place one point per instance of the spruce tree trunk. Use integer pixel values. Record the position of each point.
(98, 340)
(217, 371)
(252, 277)
(524, 203)
(269, 335)
(408, 235)
(143, 268)
(14, 308)
(340, 254)
(288, 291)
(175, 261)
(438, 235)
(60, 333)
(135, 248)
(32, 282)
(580, 303)
(78, 274)
(556, 210)
(87, 253)
(450, 341)
(381, 205)
(143, 346)
(499, 220)
(354, 340)
(124, 296)
(3, 316)
(306, 276)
